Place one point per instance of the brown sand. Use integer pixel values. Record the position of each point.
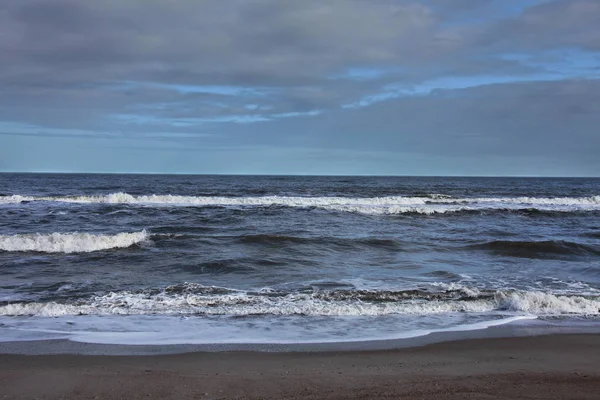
(545, 367)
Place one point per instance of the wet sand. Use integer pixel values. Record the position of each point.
(544, 367)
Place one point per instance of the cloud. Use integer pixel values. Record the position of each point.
(552, 119)
(552, 25)
(429, 77)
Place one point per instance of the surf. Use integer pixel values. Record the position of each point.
(74, 242)
(385, 205)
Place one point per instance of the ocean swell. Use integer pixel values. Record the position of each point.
(533, 249)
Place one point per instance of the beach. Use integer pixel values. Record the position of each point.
(538, 367)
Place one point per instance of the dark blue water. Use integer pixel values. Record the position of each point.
(206, 259)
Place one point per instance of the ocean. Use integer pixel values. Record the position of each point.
(173, 259)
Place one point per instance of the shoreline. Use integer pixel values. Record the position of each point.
(515, 329)
(551, 366)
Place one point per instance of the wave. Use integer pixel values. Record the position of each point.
(275, 240)
(433, 204)
(13, 199)
(225, 266)
(270, 239)
(595, 235)
(532, 249)
(70, 242)
(193, 299)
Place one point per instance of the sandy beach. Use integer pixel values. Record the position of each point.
(543, 367)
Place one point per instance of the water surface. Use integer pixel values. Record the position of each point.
(242, 259)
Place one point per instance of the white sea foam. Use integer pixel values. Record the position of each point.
(556, 201)
(368, 205)
(15, 199)
(240, 303)
(70, 242)
(540, 303)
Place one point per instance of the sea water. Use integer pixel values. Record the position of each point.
(162, 259)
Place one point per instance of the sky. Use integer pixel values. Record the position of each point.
(326, 87)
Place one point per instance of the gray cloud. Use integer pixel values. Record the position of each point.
(559, 24)
(554, 119)
(156, 69)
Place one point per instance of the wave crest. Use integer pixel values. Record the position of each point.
(15, 198)
(70, 242)
(433, 204)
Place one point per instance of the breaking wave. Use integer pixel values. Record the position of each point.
(70, 242)
(16, 199)
(194, 299)
(437, 204)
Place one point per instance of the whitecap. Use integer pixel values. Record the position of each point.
(74, 242)
(367, 205)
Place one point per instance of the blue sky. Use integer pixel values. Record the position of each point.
(405, 87)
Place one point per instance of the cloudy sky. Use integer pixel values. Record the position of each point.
(393, 87)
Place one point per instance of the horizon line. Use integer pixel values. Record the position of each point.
(300, 175)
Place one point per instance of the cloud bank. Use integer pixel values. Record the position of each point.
(326, 87)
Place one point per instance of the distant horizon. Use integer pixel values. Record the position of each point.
(299, 175)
